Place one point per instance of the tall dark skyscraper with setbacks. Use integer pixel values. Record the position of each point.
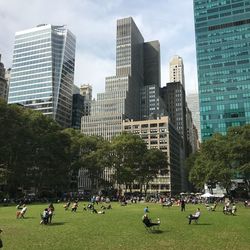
(127, 94)
(223, 57)
(42, 73)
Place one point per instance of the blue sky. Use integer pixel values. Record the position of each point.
(94, 24)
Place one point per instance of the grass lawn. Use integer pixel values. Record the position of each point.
(122, 228)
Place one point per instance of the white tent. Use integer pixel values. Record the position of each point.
(207, 195)
(219, 195)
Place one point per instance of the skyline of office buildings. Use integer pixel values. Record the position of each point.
(42, 73)
(126, 95)
(223, 47)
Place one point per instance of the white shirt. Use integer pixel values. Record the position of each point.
(197, 214)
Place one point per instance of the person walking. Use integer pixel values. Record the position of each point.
(183, 205)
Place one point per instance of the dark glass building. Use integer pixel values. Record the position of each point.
(223, 57)
(77, 110)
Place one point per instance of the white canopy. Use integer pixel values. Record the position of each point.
(207, 195)
(219, 195)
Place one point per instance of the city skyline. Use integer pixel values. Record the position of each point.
(93, 23)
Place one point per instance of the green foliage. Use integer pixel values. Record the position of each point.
(221, 158)
(154, 163)
(127, 152)
(133, 162)
(33, 151)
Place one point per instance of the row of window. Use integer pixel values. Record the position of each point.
(30, 92)
(30, 70)
(38, 52)
(26, 62)
(31, 97)
(31, 86)
(17, 79)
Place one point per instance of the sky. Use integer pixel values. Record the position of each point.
(93, 22)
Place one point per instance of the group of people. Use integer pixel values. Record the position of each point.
(46, 216)
(229, 209)
(149, 223)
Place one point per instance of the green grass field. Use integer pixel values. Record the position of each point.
(122, 228)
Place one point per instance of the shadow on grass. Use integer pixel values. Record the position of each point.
(157, 231)
(29, 217)
(202, 224)
(56, 224)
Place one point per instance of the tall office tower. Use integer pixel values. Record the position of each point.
(149, 97)
(3, 82)
(121, 99)
(152, 61)
(176, 70)
(222, 30)
(173, 95)
(86, 92)
(43, 71)
(193, 105)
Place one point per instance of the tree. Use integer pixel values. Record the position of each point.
(212, 164)
(15, 146)
(154, 163)
(33, 151)
(239, 147)
(95, 161)
(128, 151)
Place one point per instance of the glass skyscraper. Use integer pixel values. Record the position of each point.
(43, 71)
(223, 58)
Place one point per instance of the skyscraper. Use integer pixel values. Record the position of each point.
(223, 49)
(176, 70)
(86, 92)
(122, 97)
(43, 71)
(193, 104)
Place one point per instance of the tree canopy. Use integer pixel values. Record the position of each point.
(222, 158)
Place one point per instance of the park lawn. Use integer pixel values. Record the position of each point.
(122, 228)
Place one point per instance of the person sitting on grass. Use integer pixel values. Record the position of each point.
(148, 222)
(146, 210)
(194, 216)
(45, 217)
(66, 206)
(234, 209)
(74, 207)
(20, 214)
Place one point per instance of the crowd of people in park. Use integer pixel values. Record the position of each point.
(229, 207)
